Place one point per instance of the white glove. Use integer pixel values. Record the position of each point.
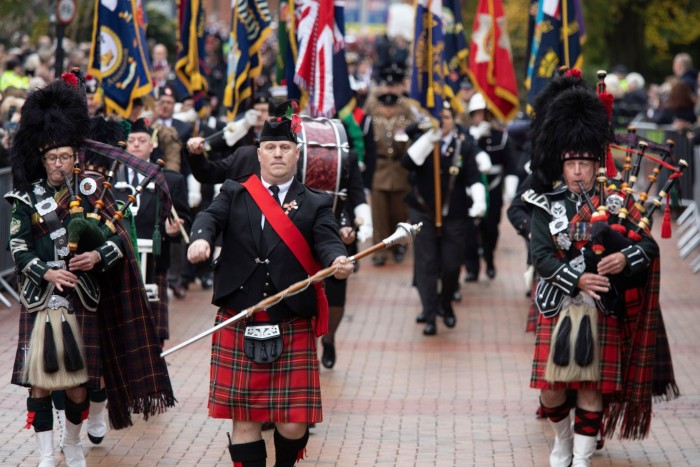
(481, 130)
(423, 147)
(363, 217)
(251, 117)
(189, 116)
(483, 161)
(510, 186)
(194, 191)
(234, 131)
(478, 193)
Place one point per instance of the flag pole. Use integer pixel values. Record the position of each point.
(438, 187)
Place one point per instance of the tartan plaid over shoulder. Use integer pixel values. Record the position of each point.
(136, 376)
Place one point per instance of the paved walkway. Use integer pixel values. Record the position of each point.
(395, 397)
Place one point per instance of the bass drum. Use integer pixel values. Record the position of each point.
(323, 162)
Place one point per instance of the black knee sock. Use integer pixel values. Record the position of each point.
(40, 414)
(98, 395)
(76, 412)
(289, 451)
(251, 454)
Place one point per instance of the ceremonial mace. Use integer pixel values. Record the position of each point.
(403, 235)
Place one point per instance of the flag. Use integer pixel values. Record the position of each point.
(117, 54)
(190, 68)
(287, 49)
(491, 60)
(142, 23)
(456, 50)
(314, 64)
(250, 26)
(557, 41)
(344, 96)
(531, 20)
(342, 92)
(428, 72)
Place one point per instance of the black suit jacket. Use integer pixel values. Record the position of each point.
(146, 217)
(240, 280)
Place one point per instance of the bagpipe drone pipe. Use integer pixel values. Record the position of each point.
(87, 231)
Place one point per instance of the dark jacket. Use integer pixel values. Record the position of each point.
(146, 215)
(239, 280)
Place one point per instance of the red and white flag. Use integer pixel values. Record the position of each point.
(316, 42)
(491, 60)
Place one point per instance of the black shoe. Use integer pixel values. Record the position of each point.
(457, 297)
(179, 292)
(430, 329)
(328, 357)
(448, 315)
(378, 260)
(422, 317)
(207, 282)
(95, 439)
(491, 272)
(399, 253)
(471, 277)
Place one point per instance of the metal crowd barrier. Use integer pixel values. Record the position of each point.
(689, 221)
(7, 266)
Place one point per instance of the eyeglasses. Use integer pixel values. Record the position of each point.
(285, 148)
(62, 157)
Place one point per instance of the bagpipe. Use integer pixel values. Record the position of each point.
(87, 231)
(624, 212)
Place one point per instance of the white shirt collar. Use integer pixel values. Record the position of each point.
(284, 188)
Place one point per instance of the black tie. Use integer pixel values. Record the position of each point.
(267, 232)
(275, 192)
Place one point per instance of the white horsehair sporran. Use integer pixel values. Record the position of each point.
(574, 349)
(33, 372)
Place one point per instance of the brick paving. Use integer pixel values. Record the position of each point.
(396, 397)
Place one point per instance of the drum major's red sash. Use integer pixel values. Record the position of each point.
(295, 241)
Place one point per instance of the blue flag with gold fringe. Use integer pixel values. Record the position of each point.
(118, 57)
(456, 48)
(190, 67)
(557, 41)
(428, 71)
(250, 26)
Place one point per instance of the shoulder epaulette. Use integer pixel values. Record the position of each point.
(22, 196)
(536, 199)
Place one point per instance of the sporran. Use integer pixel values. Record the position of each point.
(33, 372)
(574, 348)
(263, 343)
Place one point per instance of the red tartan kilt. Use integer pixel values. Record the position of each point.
(286, 390)
(610, 353)
(87, 320)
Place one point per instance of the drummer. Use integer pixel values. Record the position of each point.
(242, 161)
